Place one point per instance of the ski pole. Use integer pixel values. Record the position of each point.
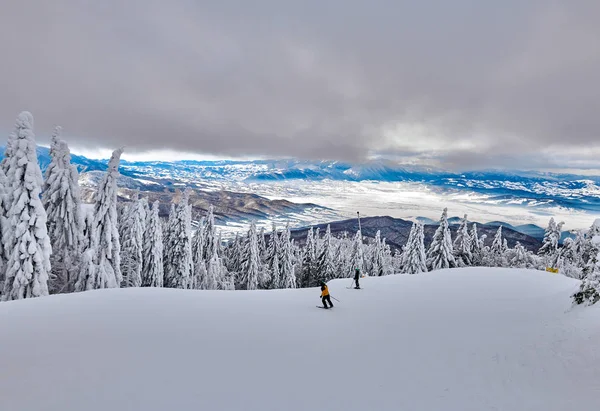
(335, 299)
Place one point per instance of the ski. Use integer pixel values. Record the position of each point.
(350, 288)
(320, 306)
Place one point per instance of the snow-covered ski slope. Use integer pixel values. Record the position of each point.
(465, 339)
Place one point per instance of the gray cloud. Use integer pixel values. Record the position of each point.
(339, 79)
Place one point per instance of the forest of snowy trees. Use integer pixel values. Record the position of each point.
(51, 245)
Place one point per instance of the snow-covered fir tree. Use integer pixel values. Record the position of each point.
(326, 269)
(215, 272)
(132, 242)
(571, 262)
(377, 256)
(476, 246)
(356, 255)
(462, 244)
(273, 259)
(27, 242)
(288, 272)
(549, 248)
(440, 253)
(209, 233)
(589, 292)
(169, 239)
(105, 244)
(62, 201)
(309, 261)
(198, 256)
(179, 267)
(251, 270)
(414, 260)
(152, 261)
(496, 255)
(519, 257)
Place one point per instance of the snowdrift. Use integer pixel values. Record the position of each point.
(464, 339)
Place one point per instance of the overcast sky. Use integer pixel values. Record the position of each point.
(460, 83)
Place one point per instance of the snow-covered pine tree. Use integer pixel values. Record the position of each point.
(273, 266)
(462, 244)
(252, 269)
(440, 254)
(209, 233)
(28, 244)
(152, 268)
(325, 261)
(495, 257)
(571, 262)
(356, 255)
(406, 249)
(549, 248)
(169, 227)
(198, 256)
(377, 264)
(262, 245)
(106, 243)
(589, 292)
(309, 261)
(388, 259)
(215, 273)
(414, 258)
(519, 257)
(62, 201)
(288, 272)
(132, 244)
(476, 246)
(179, 269)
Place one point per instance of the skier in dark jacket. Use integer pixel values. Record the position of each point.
(325, 297)
(356, 277)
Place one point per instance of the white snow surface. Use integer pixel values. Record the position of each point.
(461, 339)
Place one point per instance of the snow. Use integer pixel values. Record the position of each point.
(463, 339)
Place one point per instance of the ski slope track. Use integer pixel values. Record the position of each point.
(464, 339)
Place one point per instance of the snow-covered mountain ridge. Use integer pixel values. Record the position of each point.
(463, 339)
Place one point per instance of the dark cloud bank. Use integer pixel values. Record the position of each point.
(454, 82)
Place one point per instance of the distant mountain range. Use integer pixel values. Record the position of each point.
(396, 231)
(510, 188)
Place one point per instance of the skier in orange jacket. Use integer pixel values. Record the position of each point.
(325, 297)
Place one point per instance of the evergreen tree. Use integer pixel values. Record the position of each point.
(273, 259)
(388, 259)
(169, 240)
(26, 239)
(132, 245)
(414, 260)
(179, 268)
(252, 269)
(440, 255)
(571, 261)
(495, 257)
(198, 256)
(356, 255)
(62, 201)
(153, 270)
(215, 273)
(209, 233)
(309, 261)
(325, 262)
(105, 243)
(377, 264)
(549, 248)
(476, 246)
(288, 272)
(589, 291)
(462, 245)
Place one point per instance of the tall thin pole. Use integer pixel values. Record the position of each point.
(358, 215)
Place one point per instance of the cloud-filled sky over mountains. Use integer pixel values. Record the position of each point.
(466, 84)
